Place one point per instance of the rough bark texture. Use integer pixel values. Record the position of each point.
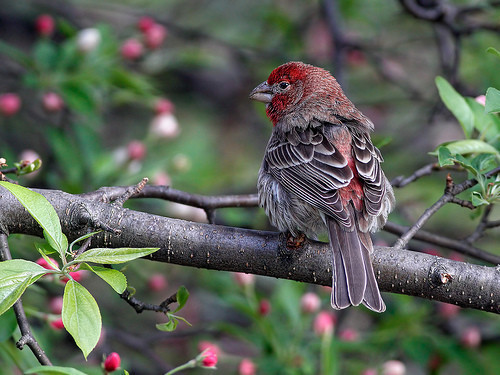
(263, 253)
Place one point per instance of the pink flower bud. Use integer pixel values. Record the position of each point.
(369, 371)
(157, 282)
(57, 324)
(131, 49)
(448, 310)
(393, 367)
(9, 104)
(349, 335)
(310, 302)
(112, 362)
(154, 36)
(244, 279)
(163, 105)
(204, 345)
(481, 99)
(264, 307)
(471, 337)
(42, 262)
(165, 126)
(136, 150)
(52, 102)
(324, 323)
(55, 305)
(44, 25)
(247, 367)
(209, 359)
(29, 156)
(162, 178)
(145, 23)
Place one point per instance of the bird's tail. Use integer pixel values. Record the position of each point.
(353, 277)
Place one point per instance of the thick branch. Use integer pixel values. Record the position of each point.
(264, 253)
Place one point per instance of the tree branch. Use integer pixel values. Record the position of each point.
(264, 253)
(27, 337)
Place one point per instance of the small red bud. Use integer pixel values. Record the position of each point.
(209, 359)
(204, 345)
(324, 323)
(57, 324)
(310, 302)
(264, 307)
(157, 282)
(52, 102)
(247, 367)
(136, 150)
(131, 49)
(145, 23)
(42, 262)
(55, 305)
(471, 337)
(163, 105)
(349, 335)
(154, 36)
(112, 362)
(44, 25)
(9, 104)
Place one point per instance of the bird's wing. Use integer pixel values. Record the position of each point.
(307, 164)
(367, 159)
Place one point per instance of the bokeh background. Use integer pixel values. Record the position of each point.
(120, 90)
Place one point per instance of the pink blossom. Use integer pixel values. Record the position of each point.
(310, 302)
(9, 104)
(324, 323)
(481, 99)
(42, 262)
(247, 367)
(244, 279)
(52, 102)
(264, 307)
(204, 345)
(145, 23)
(155, 36)
(131, 49)
(136, 150)
(163, 105)
(349, 335)
(44, 25)
(56, 304)
(393, 367)
(471, 337)
(57, 324)
(209, 359)
(157, 282)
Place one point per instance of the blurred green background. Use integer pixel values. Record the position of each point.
(210, 139)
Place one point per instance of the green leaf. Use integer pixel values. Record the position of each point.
(487, 124)
(169, 326)
(182, 297)
(54, 370)
(493, 51)
(492, 100)
(114, 256)
(467, 146)
(456, 104)
(81, 316)
(43, 212)
(444, 156)
(114, 278)
(84, 237)
(15, 276)
(477, 199)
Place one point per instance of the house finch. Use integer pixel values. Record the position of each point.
(321, 171)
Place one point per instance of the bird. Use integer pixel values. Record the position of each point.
(321, 174)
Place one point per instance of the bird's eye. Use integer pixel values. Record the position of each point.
(283, 85)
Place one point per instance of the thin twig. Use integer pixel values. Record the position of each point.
(140, 306)
(481, 227)
(402, 181)
(461, 246)
(27, 337)
(132, 190)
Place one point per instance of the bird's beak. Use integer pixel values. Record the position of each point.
(262, 93)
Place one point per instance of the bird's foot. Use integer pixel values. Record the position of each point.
(295, 242)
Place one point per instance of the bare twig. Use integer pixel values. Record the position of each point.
(461, 246)
(402, 181)
(130, 191)
(140, 306)
(450, 192)
(27, 337)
